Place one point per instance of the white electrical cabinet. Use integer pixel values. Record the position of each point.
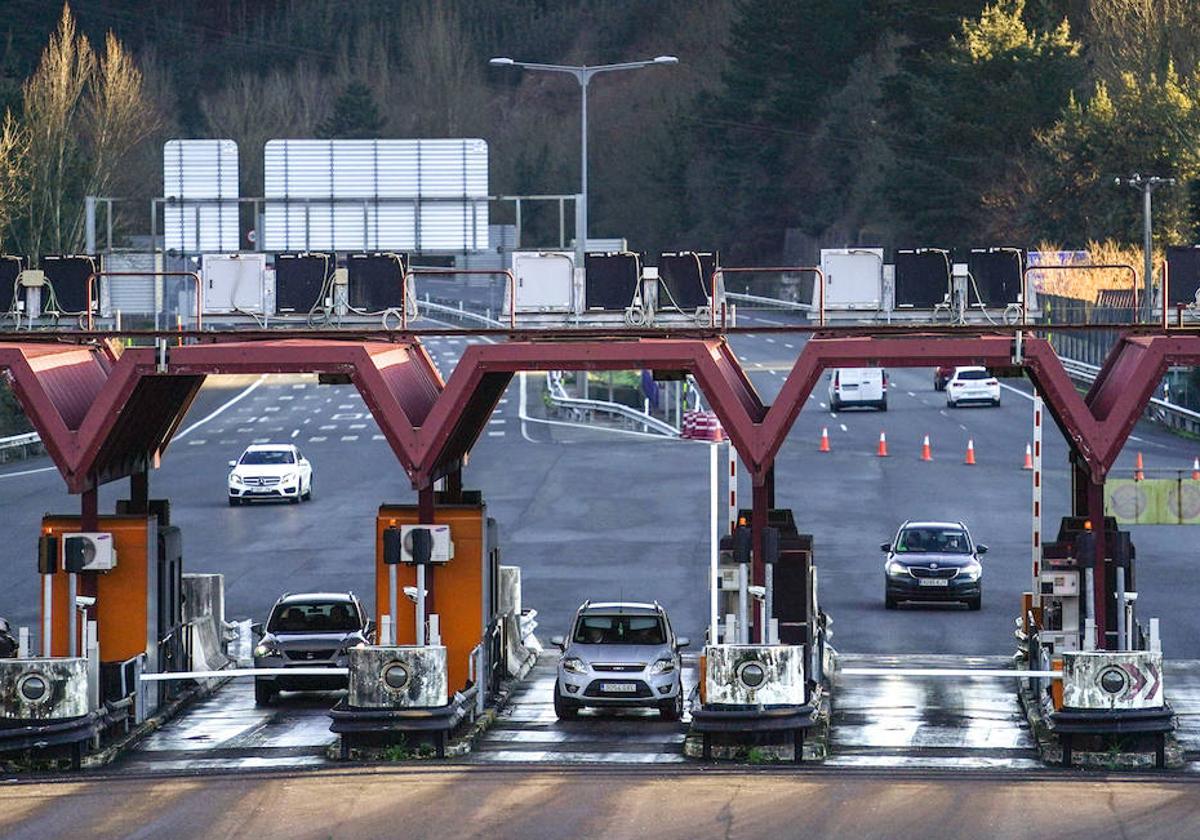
(544, 281)
(853, 278)
(232, 283)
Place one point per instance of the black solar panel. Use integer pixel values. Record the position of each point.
(922, 277)
(997, 274)
(612, 279)
(300, 281)
(375, 281)
(10, 267)
(68, 276)
(685, 278)
(1183, 274)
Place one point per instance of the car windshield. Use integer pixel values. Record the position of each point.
(314, 617)
(620, 630)
(973, 374)
(933, 541)
(268, 456)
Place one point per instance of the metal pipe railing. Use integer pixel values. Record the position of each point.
(1075, 267)
(413, 272)
(720, 272)
(91, 297)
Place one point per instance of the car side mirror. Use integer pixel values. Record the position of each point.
(369, 630)
(681, 642)
(885, 546)
(256, 628)
(558, 642)
(233, 463)
(981, 549)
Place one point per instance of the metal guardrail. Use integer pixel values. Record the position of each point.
(1168, 413)
(18, 446)
(559, 398)
(771, 302)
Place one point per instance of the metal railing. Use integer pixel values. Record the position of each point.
(95, 275)
(460, 272)
(1077, 267)
(1175, 416)
(721, 272)
(17, 446)
(560, 399)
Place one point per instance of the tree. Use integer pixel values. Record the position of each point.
(82, 117)
(1150, 126)
(14, 151)
(354, 116)
(962, 123)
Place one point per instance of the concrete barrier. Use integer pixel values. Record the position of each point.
(44, 689)
(204, 615)
(1113, 680)
(398, 677)
(754, 675)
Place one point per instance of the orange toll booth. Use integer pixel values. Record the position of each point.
(135, 602)
(462, 591)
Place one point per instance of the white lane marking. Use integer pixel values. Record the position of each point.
(217, 412)
(961, 426)
(743, 358)
(813, 397)
(773, 373)
(347, 405)
(316, 439)
(274, 428)
(788, 346)
(28, 472)
(253, 418)
(911, 394)
(286, 397)
(358, 425)
(261, 440)
(498, 421)
(770, 340)
(299, 387)
(199, 442)
(822, 406)
(453, 341)
(245, 431)
(833, 414)
(307, 420)
(770, 322)
(296, 433)
(352, 415)
(1131, 437)
(226, 442)
(843, 425)
(1017, 391)
(377, 437)
(942, 412)
(333, 426)
(495, 434)
(349, 437)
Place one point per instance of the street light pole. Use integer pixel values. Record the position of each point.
(583, 74)
(1147, 185)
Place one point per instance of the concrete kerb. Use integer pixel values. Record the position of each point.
(462, 740)
(815, 748)
(1051, 752)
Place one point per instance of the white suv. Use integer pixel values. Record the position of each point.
(270, 471)
(972, 384)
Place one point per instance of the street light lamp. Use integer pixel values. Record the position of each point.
(583, 74)
(1147, 185)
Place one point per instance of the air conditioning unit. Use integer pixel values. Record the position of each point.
(443, 548)
(89, 552)
(398, 677)
(43, 689)
(754, 675)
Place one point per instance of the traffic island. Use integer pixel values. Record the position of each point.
(757, 707)
(1110, 713)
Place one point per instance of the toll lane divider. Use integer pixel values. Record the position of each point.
(949, 672)
(245, 672)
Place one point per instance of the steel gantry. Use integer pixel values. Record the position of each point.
(106, 413)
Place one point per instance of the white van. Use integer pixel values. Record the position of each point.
(858, 386)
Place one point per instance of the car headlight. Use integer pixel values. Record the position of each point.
(264, 649)
(972, 571)
(574, 665)
(234, 478)
(289, 478)
(896, 568)
(662, 666)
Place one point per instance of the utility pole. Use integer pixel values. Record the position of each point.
(1147, 185)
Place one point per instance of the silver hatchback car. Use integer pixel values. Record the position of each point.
(619, 655)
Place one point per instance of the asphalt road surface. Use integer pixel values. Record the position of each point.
(597, 514)
(523, 802)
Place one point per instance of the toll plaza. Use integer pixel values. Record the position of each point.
(113, 585)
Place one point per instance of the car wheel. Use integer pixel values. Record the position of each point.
(889, 602)
(263, 693)
(883, 406)
(976, 603)
(294, 500)
(672, 709)
(835, 406)
(564, 709)
(233, 502)
(308, 492)
(996, 402)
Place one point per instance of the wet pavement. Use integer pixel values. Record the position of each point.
(226, 731)
(907, 721)
(528, 730)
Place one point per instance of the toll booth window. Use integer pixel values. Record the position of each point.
(269, 457)
(933, 541)
(336, 617)
(620, 630)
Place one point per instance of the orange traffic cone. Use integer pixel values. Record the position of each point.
(970, 452)
(926, 452)
(1028, 457)
(1138, 475)
(824, 440)
(882, 451)
(1196, 470)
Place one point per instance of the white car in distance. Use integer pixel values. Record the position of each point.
(270, 471)
(972, 385)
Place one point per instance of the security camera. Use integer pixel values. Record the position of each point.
(759, 592)
(410, 592)
(84, 601)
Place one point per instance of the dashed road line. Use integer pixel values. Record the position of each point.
(789, 346)
(349, 437)
(358, 425)
(317, 439)
(199, 442)
(495, 434)
(295, 433)
(327, 428)
(843, 425)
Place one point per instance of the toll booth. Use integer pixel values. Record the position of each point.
(463, 589)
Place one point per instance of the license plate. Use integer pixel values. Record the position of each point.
(934, 582)
(617, 688)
